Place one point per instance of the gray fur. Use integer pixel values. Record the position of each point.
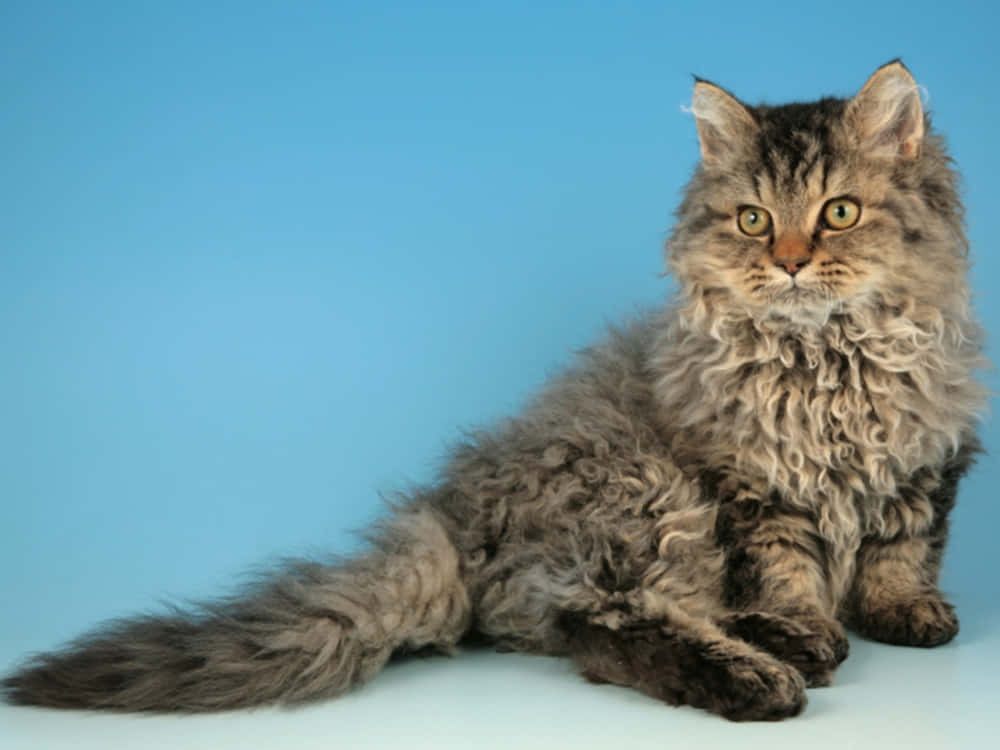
(309, 631)
(696, 506)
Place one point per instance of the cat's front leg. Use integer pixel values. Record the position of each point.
(895, 599)
(776, 585)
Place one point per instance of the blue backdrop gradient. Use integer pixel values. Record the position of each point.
(262, 261)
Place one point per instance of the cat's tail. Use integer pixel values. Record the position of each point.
(307, 632)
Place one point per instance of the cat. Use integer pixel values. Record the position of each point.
(702, 502)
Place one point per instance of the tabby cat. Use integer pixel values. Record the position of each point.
(700, 504)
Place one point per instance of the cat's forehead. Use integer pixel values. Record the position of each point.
(784, 127)
(798, 155)
(796, 145)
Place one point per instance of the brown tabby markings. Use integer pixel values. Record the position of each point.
(696, 507)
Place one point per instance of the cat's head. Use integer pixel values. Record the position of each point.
(803, 210)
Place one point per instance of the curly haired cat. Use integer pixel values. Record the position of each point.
(694, 508)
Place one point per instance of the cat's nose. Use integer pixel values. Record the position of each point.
(794, 265)
(791, 252)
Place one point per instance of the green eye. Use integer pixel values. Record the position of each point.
(753, 221)
(841, 213)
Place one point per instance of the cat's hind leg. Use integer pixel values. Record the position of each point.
(687, 660)
(812, 652)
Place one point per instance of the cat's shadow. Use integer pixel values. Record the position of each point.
(979, 619)
(980, 624)
(858, 663)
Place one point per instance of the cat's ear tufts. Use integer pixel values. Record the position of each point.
(724, 123)
(887, 114)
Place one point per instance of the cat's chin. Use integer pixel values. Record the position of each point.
(799, 295)
(800, 304)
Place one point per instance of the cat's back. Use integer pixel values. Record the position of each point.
(603, 401)
(588, 443)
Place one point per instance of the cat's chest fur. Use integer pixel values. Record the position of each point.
(841, 422)
(834, 418)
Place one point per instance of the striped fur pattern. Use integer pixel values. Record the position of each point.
(700, 504)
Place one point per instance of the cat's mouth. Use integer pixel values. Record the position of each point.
(802, 294)
(805, 293)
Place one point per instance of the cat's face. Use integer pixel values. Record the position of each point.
(800, 210)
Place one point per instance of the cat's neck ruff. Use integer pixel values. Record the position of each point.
(862, 393)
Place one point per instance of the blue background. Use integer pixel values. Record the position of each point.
(262, 261)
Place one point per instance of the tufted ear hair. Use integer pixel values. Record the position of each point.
(887, 114)
(724, 123)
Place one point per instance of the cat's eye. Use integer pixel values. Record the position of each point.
(753, 221)
(841, 213)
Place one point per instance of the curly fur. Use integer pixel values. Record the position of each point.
(699, 504)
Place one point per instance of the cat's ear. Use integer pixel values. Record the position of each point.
(887, 114)
(724, 123)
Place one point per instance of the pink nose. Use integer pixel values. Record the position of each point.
(793, 265)
(791, 252)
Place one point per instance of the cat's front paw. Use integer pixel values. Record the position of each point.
(760, 689)
(815, 646)
(833, 633)
(925, 620)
